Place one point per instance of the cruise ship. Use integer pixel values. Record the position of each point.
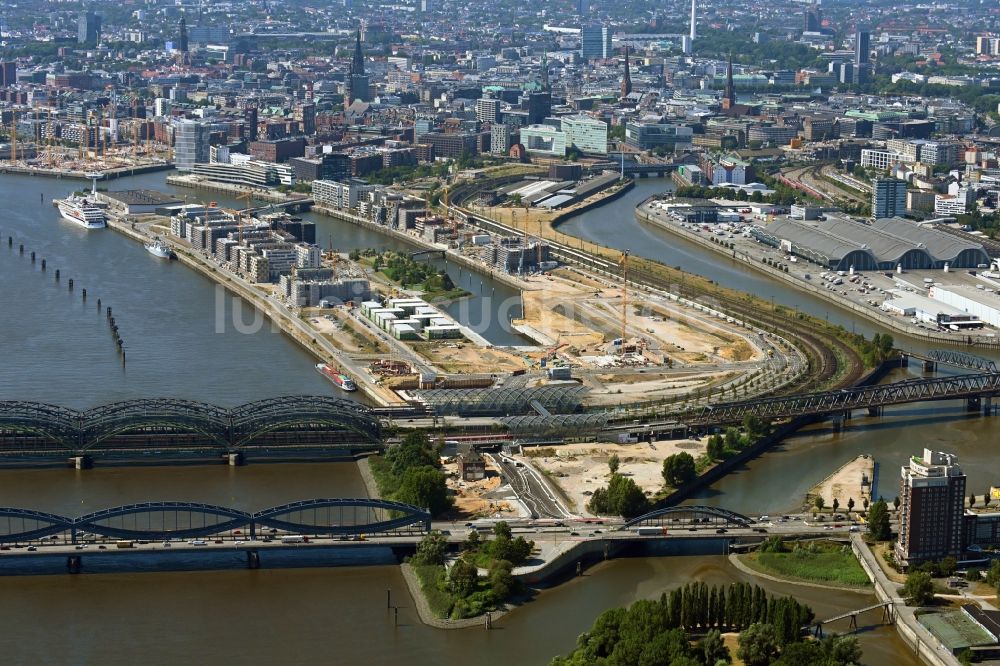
(82, 211)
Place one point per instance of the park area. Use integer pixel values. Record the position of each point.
(812, 561)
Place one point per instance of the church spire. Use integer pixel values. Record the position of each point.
(729, 98)
(358, 64)
(626, 77)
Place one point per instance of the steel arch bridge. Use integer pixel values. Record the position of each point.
(168, 425)
(694, 511)
(300, 413)
(157, 521)
(51, 424)
(155, 415)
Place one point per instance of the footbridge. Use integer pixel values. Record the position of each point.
(887, 617)
(977, 389)
(160, 521)
(285, 424)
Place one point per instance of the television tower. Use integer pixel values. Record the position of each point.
(693, 20)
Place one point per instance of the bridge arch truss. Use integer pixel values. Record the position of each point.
(693, 513)
(297, 414)
(159, 521)
(168, 424)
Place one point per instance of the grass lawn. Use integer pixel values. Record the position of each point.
(440, 602)
(821, 563)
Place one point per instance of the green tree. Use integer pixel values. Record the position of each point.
(472, 542)
(878, 521)
(502, 530)
(972, 500)
(919, 589)
(614, 463)
(679, 469)
(836, 504)
(819, 502)
(715, 449)
(463, 578)
(431, 550)
(713, 649)
(632, 502)
(424, 487)
(993, 574)
(841, 650)
(502, 581)
(850, 505)
(757, 646)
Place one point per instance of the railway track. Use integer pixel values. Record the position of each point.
(823, 350)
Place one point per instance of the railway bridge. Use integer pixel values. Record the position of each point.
(286, 425)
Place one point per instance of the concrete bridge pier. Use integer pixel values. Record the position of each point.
(74, 564)
(930, 366)
(81, 462)
(839, 420)
(234, 459)
(987, 402)
(876, 410)
(973, 404)
(253, 559)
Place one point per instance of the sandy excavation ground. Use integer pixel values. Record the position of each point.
(579, 469)
(611, 389)
(471, 499)
(582, 316)
(845, 484)
(456, 357)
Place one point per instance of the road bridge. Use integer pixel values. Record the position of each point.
(159, 521)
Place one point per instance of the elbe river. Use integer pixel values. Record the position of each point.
(58, 349)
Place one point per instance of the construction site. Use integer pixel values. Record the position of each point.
(44, 146)
(607, 343)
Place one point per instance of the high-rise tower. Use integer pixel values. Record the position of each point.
(693, 20)
(182, 36)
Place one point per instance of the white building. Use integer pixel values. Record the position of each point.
(976, 302)
(544, 140)
(881, 159)
(586, 134)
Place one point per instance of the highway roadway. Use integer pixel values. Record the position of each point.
(530, 487)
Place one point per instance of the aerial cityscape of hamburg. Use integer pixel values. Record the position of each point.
(567, 333)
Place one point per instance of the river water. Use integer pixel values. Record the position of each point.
(59, 350)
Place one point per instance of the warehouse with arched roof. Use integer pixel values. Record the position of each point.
(840, 243)
(943, 247)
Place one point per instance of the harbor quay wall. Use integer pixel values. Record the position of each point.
(108, 174)
(287, 325)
